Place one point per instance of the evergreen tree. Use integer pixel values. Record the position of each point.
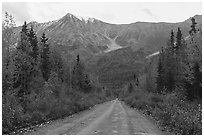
(193, 79)
(178, 40)
(137, 82)
(23, 65)
(25, 29)
(193, 29)
(24, 45)
(80, 80)
(166, 66)
(45, 60)
(160, 79)
(171, 44)
(169, 67)
(197, 80)
(180, 59)
(77, 74)
(34, 43)
(78, 59)
(172, 37)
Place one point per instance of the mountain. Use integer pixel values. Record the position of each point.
(95, 36)
(112, 53)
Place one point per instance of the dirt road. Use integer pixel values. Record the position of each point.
(109, 118)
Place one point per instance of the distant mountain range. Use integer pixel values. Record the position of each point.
(94, 36)
(112, 53)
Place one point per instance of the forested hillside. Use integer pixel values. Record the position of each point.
(170, 89)
(39, 83)
(54, 69)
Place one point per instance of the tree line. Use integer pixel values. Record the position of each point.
(180, 64)
(38, 82)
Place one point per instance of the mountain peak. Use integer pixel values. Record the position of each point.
(97, 36)
(67, 16)
(88, 20)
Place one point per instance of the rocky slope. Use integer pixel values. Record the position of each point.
(112, 53)
(95, 36)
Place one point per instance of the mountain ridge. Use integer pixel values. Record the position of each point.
(111, 52)
(95, 36)
(87, 18)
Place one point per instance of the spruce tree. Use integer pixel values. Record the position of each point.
(169, 64)
(137, 82)
(193, 29)
(178, 39)
(80, 80)
(172, 43)
(34, 43)
(193, 80)
(160, 73)
(23, 65)
(172, 37)
(197, 80)
(180, 59)
(77, 74)
(24, 45)
(45, 60)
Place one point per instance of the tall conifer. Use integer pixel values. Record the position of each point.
(45, 61)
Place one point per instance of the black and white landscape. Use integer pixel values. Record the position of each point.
(77, 75)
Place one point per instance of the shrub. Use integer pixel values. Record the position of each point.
(172, 112)
(11, 113)
(49, 103)
(37, 117)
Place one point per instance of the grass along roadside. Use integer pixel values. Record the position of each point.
(170, 112)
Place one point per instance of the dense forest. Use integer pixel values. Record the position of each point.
(40, 84)
(170, 88)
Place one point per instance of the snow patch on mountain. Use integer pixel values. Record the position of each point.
(153, 54)
(113, 45)
(157, 53)
(86, 19)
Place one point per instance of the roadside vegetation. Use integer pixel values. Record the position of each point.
(171, 112)
(170, 89)
(39, 83)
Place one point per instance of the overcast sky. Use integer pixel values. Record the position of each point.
(117, 13)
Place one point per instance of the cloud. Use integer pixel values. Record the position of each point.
(148, 12)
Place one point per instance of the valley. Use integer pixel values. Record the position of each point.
(75, 76)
